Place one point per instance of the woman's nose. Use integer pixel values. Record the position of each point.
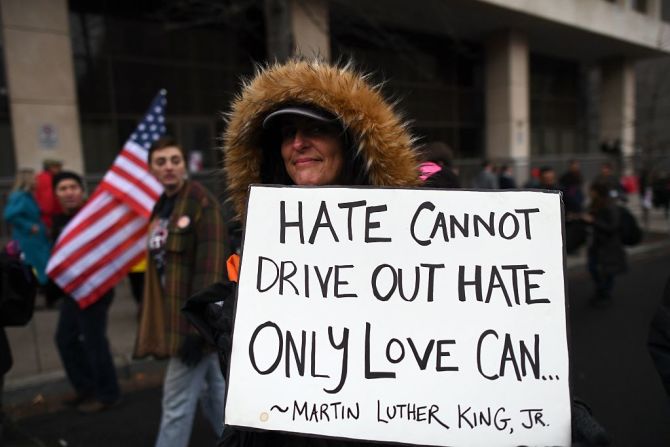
(298, 139)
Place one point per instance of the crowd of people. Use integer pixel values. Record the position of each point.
(297, 123)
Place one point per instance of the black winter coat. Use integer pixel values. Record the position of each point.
(659, 339)
(606, 246)
(17, 301)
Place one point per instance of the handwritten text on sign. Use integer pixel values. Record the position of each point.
(414, 316)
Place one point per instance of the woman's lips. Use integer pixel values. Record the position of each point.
(304, 161)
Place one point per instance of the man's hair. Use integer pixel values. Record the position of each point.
(545, 169)
(438, 152)
(49, 162)
(162, 143)
(64, 175)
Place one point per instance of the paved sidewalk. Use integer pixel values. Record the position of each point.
(38, 375)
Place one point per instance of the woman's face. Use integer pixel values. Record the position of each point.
(312, 151)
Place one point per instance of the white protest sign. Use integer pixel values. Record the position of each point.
(404, 315)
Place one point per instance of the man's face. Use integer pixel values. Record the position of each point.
(312, 151)
(55, 168)
(70, 195)
(168, 166)
(606, 170)
(548, 178)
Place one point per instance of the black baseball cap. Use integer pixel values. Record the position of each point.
(299, 110)
(63, 175)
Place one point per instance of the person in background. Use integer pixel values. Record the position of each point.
(486, 178)
(187, 249)
(661, 191)
(81, 334)
(506, 178)
(44, 193)
(17, 301)
(28, 230)
(533, 181)
(571, 184)
(547, 178)
(658, 341)
(437, 170)
(646, 193)
(606, 255)
(608, 178)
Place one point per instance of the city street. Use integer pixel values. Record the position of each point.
(143, 143)
(612, 372)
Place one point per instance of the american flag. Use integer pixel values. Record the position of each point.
(108, 235)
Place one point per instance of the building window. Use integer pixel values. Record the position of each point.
(438, 82)
(124, 52)
(7, 160)
(555, 107)
(640, 6)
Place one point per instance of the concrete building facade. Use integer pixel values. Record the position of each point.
(511, 80)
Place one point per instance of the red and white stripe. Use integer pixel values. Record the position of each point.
(108, 235)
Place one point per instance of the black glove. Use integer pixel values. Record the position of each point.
(191, 350)
(586, 431)
(213, 319)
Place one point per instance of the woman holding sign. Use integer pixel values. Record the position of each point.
(302, 123)
(310, 123)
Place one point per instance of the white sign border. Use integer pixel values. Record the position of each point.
(416, 188)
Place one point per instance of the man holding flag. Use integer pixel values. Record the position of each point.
(100, 241)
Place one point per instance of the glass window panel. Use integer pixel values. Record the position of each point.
(100, 145)
(7, 158)
(199, 136)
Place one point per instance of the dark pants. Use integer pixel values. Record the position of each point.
(137, 285)
(82, 343)
(604, 281)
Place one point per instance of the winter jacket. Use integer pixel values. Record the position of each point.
(17, 302)
(381, 143)
(606, 246)
(45, 197)
(196, 250)
(659, 339)
(381, 139)
(22, 213)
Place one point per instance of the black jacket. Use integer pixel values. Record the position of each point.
(17, 301)
(659, 339)
(606, 245)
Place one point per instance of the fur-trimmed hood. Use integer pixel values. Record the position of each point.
(381, 138)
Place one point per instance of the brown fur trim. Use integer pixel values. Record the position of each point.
(384, 141)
